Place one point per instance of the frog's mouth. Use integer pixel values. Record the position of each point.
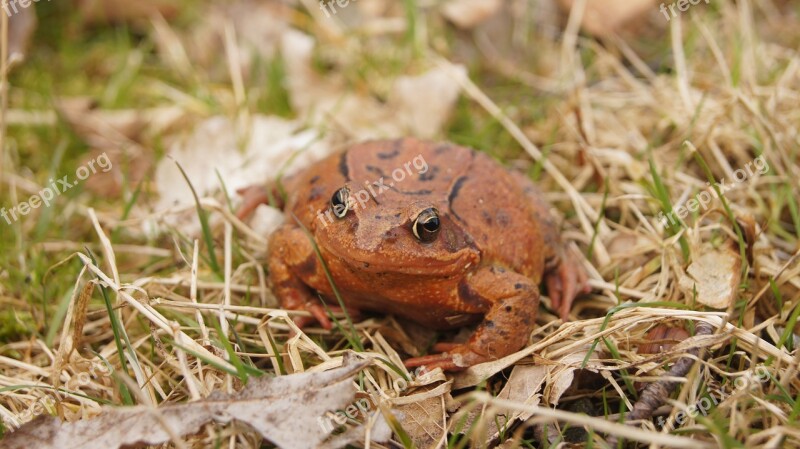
(451, 264)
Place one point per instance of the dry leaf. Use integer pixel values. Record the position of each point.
(128, 167)
(258, 26)
(417, 105)
(716, 275)
(105, 11)
(467, 14)
(21, 26)
(524, 386)
(216, 146)
(424, 421)
(110, 129)
(606, 17)
(662, 338)
(422, 104)
(284, 410)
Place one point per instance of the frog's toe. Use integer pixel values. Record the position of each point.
(431, 362)
(564, 283)
(319, 314)
(458, 357)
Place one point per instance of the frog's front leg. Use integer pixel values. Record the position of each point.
(506, 327)
(292, 263)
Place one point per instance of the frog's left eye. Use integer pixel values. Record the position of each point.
(426, 226)
(340, 201)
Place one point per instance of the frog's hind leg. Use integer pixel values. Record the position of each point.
(513, 300)
(564, 275)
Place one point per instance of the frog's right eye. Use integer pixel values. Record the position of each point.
(340, 201)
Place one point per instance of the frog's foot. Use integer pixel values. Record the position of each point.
(431, 362)
(564, 282)
(457, 358)
(319, 314)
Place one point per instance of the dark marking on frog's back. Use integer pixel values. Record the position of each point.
(502, 218)
(394, 152)
(456, 188)
(376, 170)
(314, 179)
(416, 192)
(487, 217)
(343, 169)
(429, 175)
(443, 148)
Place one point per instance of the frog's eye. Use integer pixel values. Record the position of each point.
(426, 226)
(340, 201)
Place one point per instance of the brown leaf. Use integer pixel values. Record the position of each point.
(424, 421)
(109, 129)
(606, 17)
(284, 410)
(105, 11)
(716, 273)
(662, 338)
(524, 386)
(467, 14)
(21, 25)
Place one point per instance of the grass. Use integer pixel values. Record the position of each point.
(617, 139)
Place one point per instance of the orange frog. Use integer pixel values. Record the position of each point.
(436, 233)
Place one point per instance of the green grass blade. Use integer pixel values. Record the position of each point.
(201, 214)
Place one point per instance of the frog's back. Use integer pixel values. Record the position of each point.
(482, 198)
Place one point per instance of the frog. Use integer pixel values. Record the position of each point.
(433, 232)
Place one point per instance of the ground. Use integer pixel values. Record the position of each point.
(666, 140)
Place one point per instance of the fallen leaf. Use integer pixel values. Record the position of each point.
(21, 26)
(242, 158)
(112, 11)
(662, 338)
(379, 432)
(716, 274)
(424, 420)
(524, 386)
(561, 377)
(104, 129)
(284, 410)
(418, 105)
(128, 167)
(607, 17)
(422, 103)
(527, 385)
(467, 14)
(258, 26)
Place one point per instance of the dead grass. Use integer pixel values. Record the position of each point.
(110, 300)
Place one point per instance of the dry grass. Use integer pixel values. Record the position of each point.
(601, 123)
